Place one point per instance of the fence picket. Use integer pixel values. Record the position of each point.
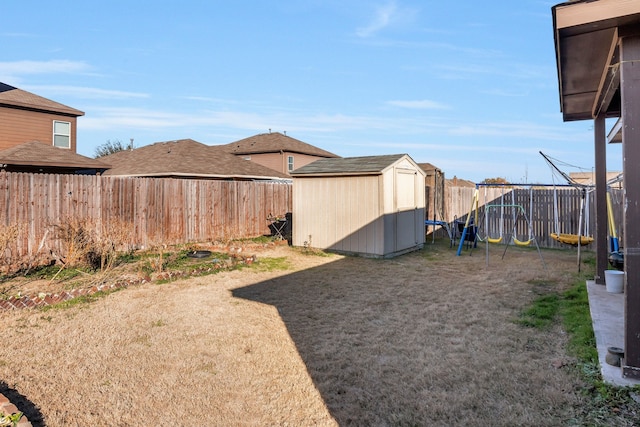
(169, 211)
(158, 210)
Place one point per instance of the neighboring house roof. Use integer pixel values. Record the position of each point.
(428, 167)
(185, 158)
(459, 182)
(368, 165)
(14, 97)
(38, 154)
(614, 178)
(273, 143)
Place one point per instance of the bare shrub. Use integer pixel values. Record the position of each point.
(78, 242)
(8, 235)
(116, 237)
(82, 245)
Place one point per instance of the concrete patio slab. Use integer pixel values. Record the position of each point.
(607, 315)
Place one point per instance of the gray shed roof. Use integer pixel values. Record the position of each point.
(368, 165)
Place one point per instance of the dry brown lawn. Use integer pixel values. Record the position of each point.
(426, 339)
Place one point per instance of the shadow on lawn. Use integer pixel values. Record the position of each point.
(24, 405)
(358, 325)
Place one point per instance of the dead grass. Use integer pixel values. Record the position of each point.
(423, 339)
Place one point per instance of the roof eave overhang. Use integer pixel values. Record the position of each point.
(55, 164)
(199, 175)
(249, 152)
(71, 112)
(586, 39)
(334, 174)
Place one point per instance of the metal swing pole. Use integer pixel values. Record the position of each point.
(474, 204)
(514, 216)
(486, 228)
(580, 228)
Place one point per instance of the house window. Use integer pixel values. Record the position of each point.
(61, 134)
(290, 163)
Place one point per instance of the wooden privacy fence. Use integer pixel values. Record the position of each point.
(156, 211)
(153, 210)
(537, 204)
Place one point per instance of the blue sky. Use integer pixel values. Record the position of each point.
(468, 86)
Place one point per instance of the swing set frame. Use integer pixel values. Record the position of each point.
(518, 212)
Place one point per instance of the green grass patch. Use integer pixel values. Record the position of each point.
(605, 404)
(158, 323)
(271, 264)
(311, 251)
(576, 318)
(542, 313)
(55, 271)
(79, 301)
(263, 240)
(167, 261)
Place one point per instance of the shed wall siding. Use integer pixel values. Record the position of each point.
(338, 213)
(404, 207)
(20, 126)
(379, 215)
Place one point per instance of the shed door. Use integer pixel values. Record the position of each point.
(406, 211)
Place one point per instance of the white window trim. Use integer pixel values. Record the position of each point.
(53, 141)
(290, 163)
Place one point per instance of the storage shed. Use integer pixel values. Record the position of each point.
(371, 206)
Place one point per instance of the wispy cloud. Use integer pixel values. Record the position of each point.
(519, 130)
(307, 121)
(423, 104)
(18, 35)
(86, 92)
(381, 19)
(17, 68)
(385, 16)
(134, 118)
(504, 93)
(209, 99)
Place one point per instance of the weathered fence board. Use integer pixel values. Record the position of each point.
(169, 211)
(155, 210)
(540, 204)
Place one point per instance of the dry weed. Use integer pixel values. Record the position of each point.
(116, 237)
(8, 236)
(77, 238)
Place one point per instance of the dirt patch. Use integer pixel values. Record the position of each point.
(427, 338)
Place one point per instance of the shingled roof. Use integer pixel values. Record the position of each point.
(186, 158)
(368, 165)
(428, 167)
(38, 154)
(274, 142)
(14, 97)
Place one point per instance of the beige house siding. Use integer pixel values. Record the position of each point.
(18, 126)
(279, 161)
(299, 160)
(270, 160)
(589, 178)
